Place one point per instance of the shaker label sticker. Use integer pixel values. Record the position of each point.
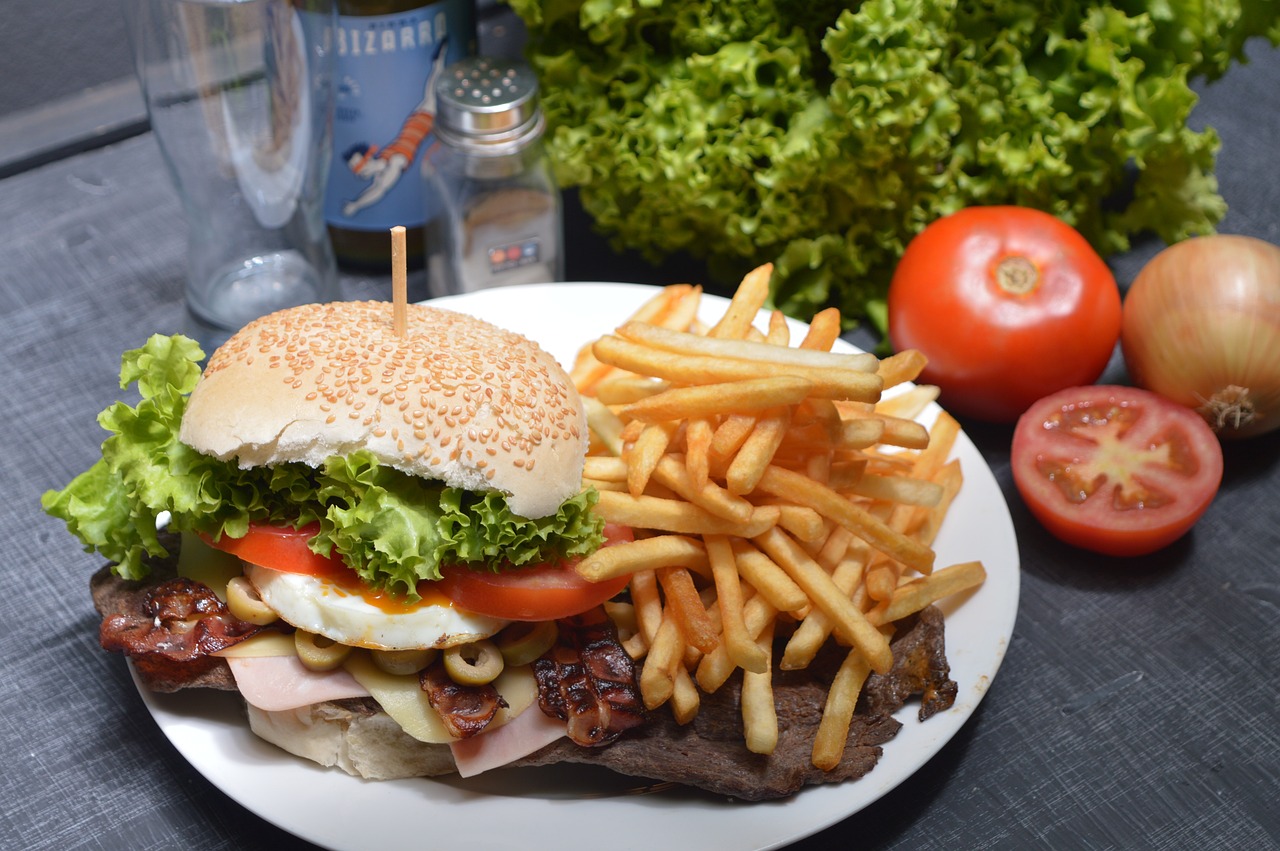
(513, 256)
(386, 70)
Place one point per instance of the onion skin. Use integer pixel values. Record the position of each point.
(1201, 327)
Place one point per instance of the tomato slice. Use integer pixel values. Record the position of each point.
(1117, 470)
(535, 593)
(285, 549)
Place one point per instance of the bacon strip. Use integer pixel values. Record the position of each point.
(588, 680)
(465, 710)
(178, 627)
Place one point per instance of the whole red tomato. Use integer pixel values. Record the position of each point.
(1008, 304)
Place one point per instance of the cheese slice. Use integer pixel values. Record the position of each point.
(403, 699)
(263, 644)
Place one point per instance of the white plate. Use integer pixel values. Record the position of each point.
(580, 806)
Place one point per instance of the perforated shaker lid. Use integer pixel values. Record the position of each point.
(488, 104)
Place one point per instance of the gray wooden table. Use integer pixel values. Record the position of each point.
(1137, 706)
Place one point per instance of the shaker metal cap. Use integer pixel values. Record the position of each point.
(488, 102)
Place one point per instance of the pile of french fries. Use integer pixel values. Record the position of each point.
(775, 492)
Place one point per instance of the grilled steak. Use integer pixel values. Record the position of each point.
(709, 752)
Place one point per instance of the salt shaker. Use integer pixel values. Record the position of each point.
(500, 221)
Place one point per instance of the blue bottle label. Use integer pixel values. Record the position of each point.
(384, 114)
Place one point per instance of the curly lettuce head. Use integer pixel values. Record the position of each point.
(823, 136)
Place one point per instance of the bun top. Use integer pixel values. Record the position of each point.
(455, 399)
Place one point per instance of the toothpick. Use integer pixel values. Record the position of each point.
(399, 284)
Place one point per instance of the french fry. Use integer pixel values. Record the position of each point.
(837, 713)
(625, 389)
(644, 554)
(631, 431)
(918, 593)
(901, 367)
(648, 604)
(671, 515)
(759, 715)
(757, 451)
(685, 699)
(747, 300)
(949, 478)
(845, 475)
(882, 581)
(644, 455)
(824, 330)
(835, 548)
(770, 581)
(732, 432)
(605, 485)
(904, 490)
(709, 496)
(802, 522)
(603, 468)
(605, 425)
(804, 491)
(743, 651)
(690, 615)
(828, 382)
(773, 350)
(779, 332)
(861, 433)
(813, 631)
(672, 307)
(850, 623)
(697, 439)
(636, 646)
(706, 400)
(942, 437)
(908, 404)
(657, 676)
(716, 667)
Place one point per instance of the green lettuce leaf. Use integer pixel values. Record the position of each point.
(823, 136)
(392, 528)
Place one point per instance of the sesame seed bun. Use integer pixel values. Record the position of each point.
(455, 399)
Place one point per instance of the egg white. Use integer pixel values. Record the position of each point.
(315, 605)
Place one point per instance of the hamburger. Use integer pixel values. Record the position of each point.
(354, 528)
(328, 481)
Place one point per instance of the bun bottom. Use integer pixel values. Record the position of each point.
(363, 743)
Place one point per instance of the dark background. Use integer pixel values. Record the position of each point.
(1137, 706)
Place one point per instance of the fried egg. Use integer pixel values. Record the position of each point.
(363, 618)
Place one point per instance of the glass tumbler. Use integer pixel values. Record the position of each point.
(240, 98)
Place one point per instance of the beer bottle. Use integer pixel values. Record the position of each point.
(388, 55)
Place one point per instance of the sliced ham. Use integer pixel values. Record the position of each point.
(276, 683)
(529, 731)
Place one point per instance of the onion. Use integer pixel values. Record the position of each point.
(1201, 327)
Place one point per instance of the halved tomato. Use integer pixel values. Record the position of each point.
(536, 593)
(1116, 470)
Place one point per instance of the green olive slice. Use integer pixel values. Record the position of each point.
(244, 603)
(319, 653)
(525, 641)
(473, 664)
(403, 662)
